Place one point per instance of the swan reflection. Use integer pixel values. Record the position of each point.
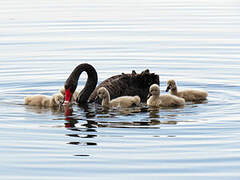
(82, 136)
(83, 143)
(43, 110)
(71, 125)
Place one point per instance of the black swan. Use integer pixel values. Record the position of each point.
(128, 85)
(118, 85)
(72, 82)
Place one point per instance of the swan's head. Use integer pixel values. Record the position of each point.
(102, 93)
(62, 91)
(171, 84)
(154, 90)
(137, 100)
(69, 90)
(70, 86)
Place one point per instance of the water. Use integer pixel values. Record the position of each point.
(193, 42)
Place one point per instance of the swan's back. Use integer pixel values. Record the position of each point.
(125, 101)
(165, 100)
(37, 100)
(128, 85)
(44, 100)
(171, 100)
(193, 95)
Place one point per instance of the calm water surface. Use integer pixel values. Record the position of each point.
(195, 42)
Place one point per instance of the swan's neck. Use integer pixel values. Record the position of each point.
(90, 84)
(106, 101)
(155, 96)
(174, 91)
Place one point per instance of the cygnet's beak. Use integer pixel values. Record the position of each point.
(66, 103)
(169, 87)
(62, 102)
(97, 99)
(149, 95)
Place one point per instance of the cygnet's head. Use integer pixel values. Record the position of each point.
(137, 100)
(154, 90)
(102, 92)
(171, 84)
(62, 90)
(58, 98)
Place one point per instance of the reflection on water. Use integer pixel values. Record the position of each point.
(83, 143)
(104, 117)
(108, 118)
(40, 110)
(82, 136)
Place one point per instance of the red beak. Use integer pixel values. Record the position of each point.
(68, 96)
